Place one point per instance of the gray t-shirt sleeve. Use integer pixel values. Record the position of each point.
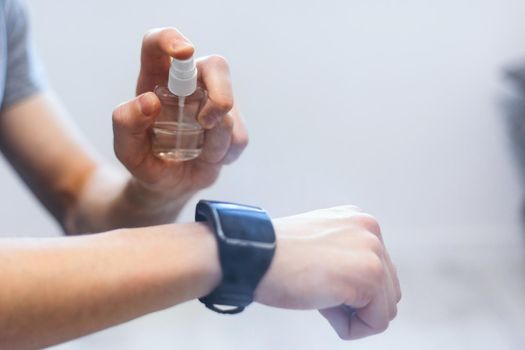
(24, 75)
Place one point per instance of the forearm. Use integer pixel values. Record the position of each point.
(61, 288)
(110, 199)
(71, 181)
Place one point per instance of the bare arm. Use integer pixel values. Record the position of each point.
(75, 185)
(57, 289)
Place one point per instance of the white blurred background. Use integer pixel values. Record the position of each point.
(391, 105)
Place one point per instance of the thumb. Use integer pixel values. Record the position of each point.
(131, 123)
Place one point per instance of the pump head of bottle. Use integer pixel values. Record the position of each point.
(182, 79)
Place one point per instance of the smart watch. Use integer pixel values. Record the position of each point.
(246, 243)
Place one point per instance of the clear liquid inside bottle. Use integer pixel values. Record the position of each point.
(177, 135)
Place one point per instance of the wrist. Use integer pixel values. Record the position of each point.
(205, 256)
(273, 289)
(143, 195)
(188, 258)
(165, 265)
(265, 291)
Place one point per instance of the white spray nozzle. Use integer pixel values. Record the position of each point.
(182, 79)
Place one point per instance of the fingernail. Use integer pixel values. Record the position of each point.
(183, 50)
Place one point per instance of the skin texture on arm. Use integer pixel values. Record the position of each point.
(46, 152)
(57, 289)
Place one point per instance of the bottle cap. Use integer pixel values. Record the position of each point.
(182, 79)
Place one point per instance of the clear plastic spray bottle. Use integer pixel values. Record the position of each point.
(177, 135)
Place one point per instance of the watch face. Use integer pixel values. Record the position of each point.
(246, 223)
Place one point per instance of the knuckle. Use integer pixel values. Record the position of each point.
(150, 33)
(351, 207)
(167, 33)
(239, 143)
(344, 335)
(224, 103)
(218, 60)
(347, 210)
(381, 326)
(393, 313)
(161, 37)
(373, 244)
(369, 223)
(161, 32)
(118, 116)
(228, 122)
(242, 141)
(354, 208)
(123, 117)
(374, 270)
(397, 286)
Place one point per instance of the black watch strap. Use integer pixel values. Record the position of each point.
(246, 243)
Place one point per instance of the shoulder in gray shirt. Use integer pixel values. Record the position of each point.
(20, 76)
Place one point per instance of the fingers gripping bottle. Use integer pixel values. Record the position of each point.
(177, 135)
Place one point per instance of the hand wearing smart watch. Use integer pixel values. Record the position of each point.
(332, 259)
